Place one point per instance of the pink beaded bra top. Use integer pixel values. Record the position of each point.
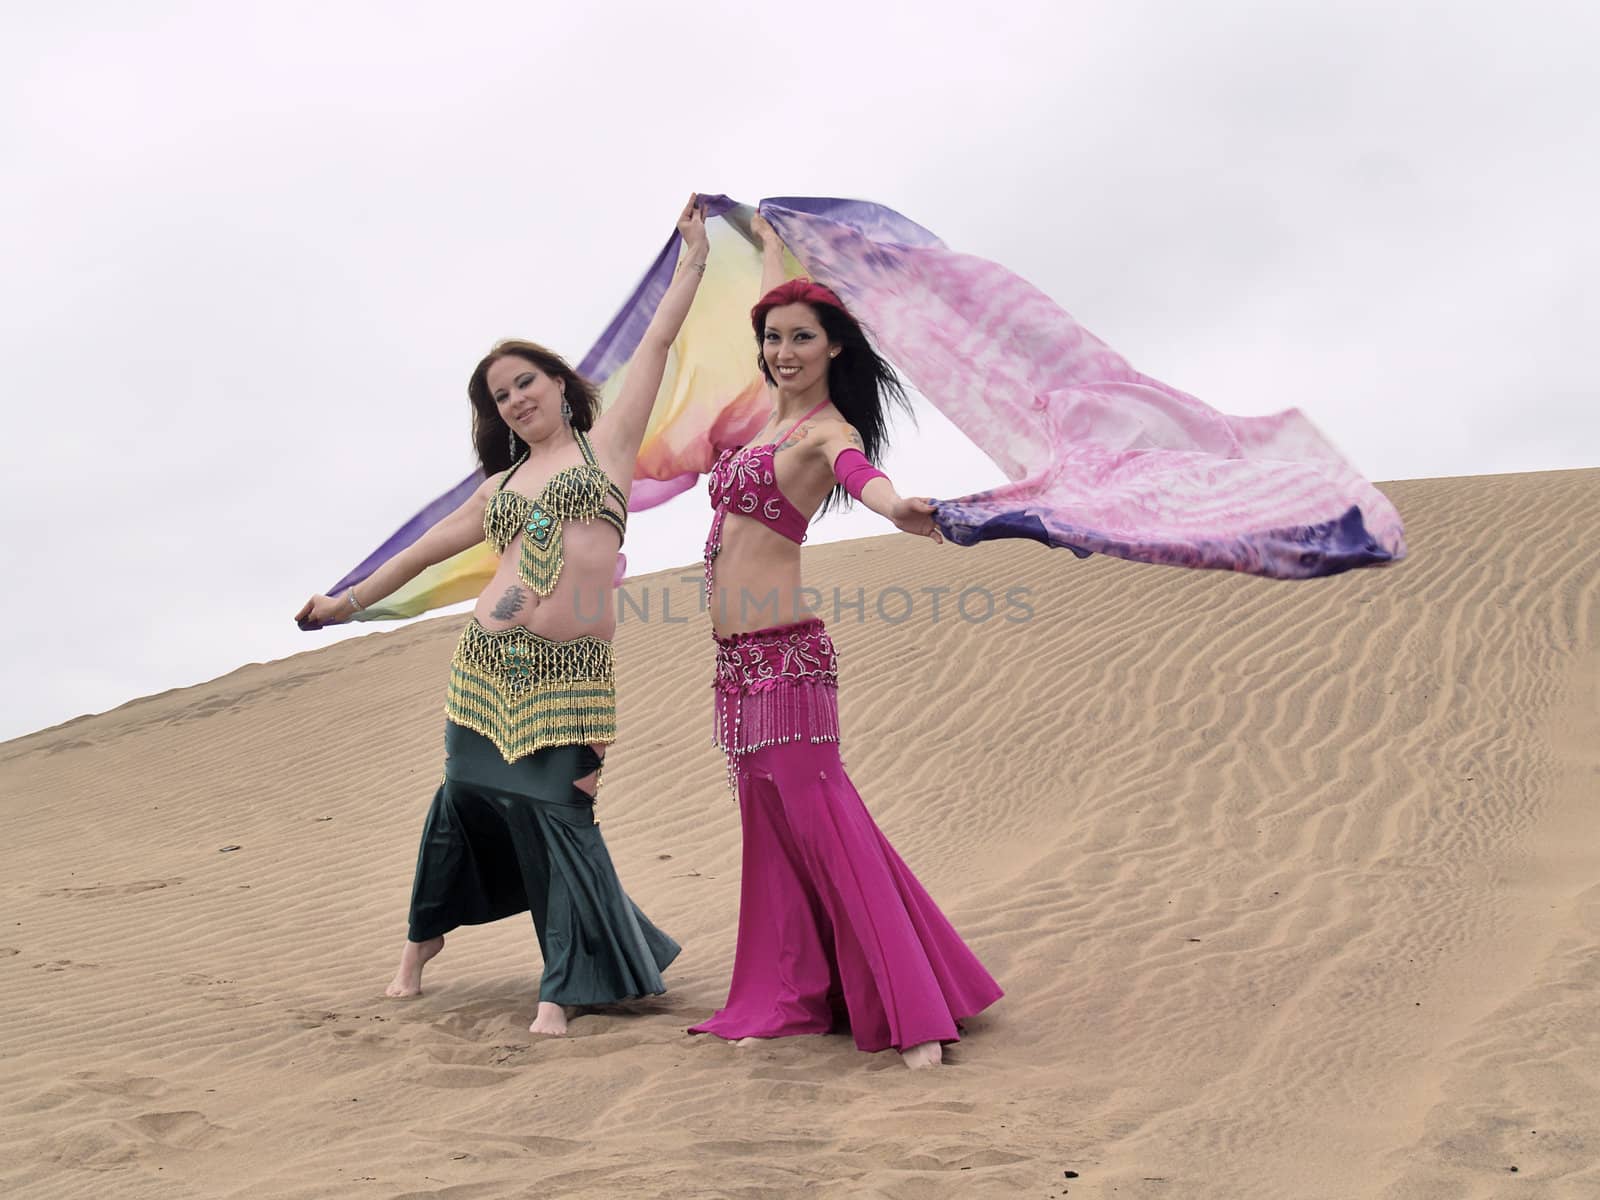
(744, 481)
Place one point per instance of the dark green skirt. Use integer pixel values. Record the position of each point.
(504, 838)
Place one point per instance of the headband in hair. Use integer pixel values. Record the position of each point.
(796, 291)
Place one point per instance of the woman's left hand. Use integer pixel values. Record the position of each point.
(692, 228)
(914, 515)
(765, 233)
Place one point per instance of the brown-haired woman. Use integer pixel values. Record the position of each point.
(531, 703)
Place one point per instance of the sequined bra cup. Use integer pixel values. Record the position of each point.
(745, 481)
(581, 492)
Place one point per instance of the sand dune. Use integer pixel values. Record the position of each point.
(1294, 890)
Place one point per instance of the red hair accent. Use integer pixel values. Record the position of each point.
(796, 291)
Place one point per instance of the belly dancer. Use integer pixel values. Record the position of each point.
(833, 926)
(531, 708)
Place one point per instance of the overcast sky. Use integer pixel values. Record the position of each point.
(250, 251)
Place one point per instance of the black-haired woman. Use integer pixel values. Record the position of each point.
(832, 924)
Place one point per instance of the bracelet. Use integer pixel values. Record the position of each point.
(355, 605)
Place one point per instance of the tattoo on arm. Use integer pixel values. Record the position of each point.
(855, 440)
(509, 605)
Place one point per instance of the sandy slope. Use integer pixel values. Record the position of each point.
(1294, 888)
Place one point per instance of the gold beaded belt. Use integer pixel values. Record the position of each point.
(525, 692)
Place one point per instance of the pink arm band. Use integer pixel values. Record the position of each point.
(853, 470)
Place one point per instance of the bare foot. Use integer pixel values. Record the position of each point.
(751, 1041)
(550, 1020)
(928, 1054)
(408, 979)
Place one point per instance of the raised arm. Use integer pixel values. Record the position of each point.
(842, 448)
(620, 428)
(451, 534)
(772, 269)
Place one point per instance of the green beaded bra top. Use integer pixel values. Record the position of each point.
(581, 492)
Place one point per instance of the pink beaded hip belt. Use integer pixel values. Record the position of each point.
(775, 685)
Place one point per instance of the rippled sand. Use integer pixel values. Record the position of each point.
(1294, 889)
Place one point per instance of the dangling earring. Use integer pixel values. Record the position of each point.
(566, 408)
(511, 443)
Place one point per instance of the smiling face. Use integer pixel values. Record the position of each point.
(529, 400)
(796, 348)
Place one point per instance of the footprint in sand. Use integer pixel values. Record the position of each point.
(195, 979)
(92, 1091)
(187, 1130)
(121, 1085)
(309, 1019)
(463, 1077)
(363, 1038)
(109, 1144)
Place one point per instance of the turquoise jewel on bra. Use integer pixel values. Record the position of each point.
(539, 525)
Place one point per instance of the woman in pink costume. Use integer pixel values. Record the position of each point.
(832, 924)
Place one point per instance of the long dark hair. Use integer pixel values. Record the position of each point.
(861, 383)
(491, 436)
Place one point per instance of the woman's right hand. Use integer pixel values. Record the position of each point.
(324, 610)
(692, 228)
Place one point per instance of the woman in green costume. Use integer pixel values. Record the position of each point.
(531, 704)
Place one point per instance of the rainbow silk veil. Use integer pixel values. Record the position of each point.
(1100, 458)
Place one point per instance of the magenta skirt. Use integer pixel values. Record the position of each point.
(834, 929)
